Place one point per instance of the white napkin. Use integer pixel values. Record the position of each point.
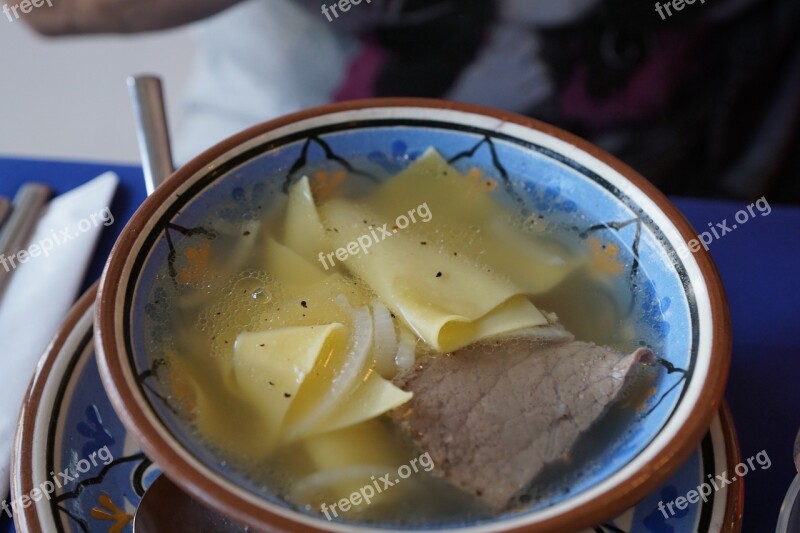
(41, 291)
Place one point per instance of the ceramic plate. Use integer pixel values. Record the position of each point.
(67, 425)
(789, 519)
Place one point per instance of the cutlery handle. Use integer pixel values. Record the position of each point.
(151, 124)
(28, 204)
(5, 210)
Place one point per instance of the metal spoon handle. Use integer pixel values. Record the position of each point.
(5, 210)
(151, 124)
(28, 205)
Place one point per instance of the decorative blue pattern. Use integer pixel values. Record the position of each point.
(537, 179)
(86, 423)
(397, 159)
(93, 430)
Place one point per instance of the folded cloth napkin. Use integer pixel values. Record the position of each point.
(45, 282)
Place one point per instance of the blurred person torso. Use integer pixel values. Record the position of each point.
(704, 101)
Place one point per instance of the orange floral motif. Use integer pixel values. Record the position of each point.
(183, 392)
(109, 511)
(642, 405)
(197, 259)
(324, 183)
(639, 402)
(475, 177)
(604, 257)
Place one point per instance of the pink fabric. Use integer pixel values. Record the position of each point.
(649, 90)
(362, 72)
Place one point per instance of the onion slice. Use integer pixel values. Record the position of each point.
(385, 340)
(406, 352)
(347, 377)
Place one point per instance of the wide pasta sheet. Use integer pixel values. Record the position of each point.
(270, 366)
(448, 301)
(468, 220)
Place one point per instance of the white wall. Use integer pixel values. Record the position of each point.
(66, 98)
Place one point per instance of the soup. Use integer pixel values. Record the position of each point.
(323, 338)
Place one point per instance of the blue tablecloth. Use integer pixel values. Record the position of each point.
(759, 263)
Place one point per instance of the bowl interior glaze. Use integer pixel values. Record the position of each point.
(677, 306)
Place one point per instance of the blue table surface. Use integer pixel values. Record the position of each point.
(759, 263)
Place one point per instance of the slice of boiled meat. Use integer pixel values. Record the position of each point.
(491, 415)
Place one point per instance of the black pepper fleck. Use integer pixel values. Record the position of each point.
(438, 274)
(287, 395)
(304, 304)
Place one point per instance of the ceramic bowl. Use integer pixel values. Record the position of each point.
(789, 517)
(678, 306)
